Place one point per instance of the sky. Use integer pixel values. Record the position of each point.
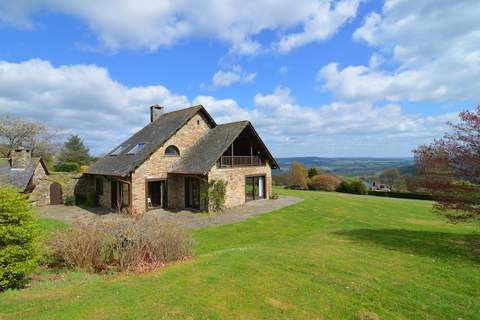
(329, 78)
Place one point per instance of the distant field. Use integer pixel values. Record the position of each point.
(333, 256)
(350, 167)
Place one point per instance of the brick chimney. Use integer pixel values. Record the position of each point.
(20, 158)
(155, 112)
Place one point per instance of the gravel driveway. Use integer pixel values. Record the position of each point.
(186, 219)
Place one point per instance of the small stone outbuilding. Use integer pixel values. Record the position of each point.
(169, 163)
(30, 175)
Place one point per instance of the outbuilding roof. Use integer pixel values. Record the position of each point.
(18, 177)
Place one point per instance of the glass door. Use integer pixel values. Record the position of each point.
(254, 188)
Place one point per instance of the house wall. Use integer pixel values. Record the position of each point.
(156, 166)
(40, 196)
(235, 178)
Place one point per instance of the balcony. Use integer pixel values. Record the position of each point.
(240, 161)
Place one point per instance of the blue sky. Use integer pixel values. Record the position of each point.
(315, 77)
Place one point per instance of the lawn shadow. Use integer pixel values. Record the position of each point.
(440, 245)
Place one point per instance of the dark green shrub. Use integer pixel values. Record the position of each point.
(403, 195)
(18, 230)
(352, 186)
(67, 167)
(69, 200)
(274, 196)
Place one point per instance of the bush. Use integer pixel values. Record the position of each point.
(18, 230)
(353, 186)
(69, 200)
(215, 196)
(324, 182)
(403, 195)
(120, 244)
(67, 167)
(274, 196)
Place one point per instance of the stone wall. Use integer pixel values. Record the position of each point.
(235, 177)
(40, 196)
(157, 165)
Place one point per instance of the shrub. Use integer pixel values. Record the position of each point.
(353, 186)
(84, 168)
(297, 176)
(215, 196)
(67, 167)
(324, 182)
(69, 200)
(274, 196)
(121, 244)
(18, 230)
(403, 195)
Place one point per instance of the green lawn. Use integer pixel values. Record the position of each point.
(332, 256)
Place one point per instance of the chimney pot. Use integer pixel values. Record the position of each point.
(156, 112)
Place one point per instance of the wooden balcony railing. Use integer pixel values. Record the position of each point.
(240, 161)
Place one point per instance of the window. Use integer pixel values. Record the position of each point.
(99, 186)
(119, 150)
(138, 147)
(172, 151)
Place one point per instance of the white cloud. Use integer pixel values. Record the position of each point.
(153, 24)
(84, 99)
(434, 47)
(321, 24)
(225, 78)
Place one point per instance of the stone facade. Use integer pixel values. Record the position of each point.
(40, 195)
(235, 178)
(156, 166)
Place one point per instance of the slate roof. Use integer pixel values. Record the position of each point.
(203, 155)
(16, 177)
(155, 134)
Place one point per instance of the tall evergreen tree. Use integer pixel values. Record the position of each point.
(74, 150)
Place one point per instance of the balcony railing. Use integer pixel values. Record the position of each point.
(240, 161)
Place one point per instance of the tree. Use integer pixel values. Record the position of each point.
(324, 182)
(450, 168)
(74, 150)
(389, 176)
(312, 172)
(18, 253)
(297, 176)
(15, 132)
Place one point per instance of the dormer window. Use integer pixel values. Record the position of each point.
(138, 147)
(172, 151)
(119, 150)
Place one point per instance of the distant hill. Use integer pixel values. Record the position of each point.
(349, 167)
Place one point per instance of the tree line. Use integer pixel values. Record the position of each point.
(43, 141)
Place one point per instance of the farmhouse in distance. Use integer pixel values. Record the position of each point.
(169, 163)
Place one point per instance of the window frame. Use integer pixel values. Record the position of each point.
(118, 150)
(132, 151)
(172, 147)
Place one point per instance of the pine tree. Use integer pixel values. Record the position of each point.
(74, 150)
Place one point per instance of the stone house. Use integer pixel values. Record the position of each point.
(30, 176)
(169, 163)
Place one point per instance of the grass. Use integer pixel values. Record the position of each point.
(333, 256)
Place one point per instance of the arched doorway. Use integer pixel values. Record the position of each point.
(56, 196)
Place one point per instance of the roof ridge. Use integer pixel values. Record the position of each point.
(183, 109)
(232, 123)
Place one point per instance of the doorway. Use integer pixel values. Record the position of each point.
(254, 188)
(157, 195)
(120, 195)
(56, 195)
(192, 193)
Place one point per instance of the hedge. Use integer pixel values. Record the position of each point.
(403, 195)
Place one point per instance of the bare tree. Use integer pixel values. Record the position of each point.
(15, 132)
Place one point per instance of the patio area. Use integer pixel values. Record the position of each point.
(186, 219)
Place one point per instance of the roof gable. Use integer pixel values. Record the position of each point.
(19, 177)
(154, 135)
(205, 153)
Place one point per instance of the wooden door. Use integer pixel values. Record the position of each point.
(56, 194)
